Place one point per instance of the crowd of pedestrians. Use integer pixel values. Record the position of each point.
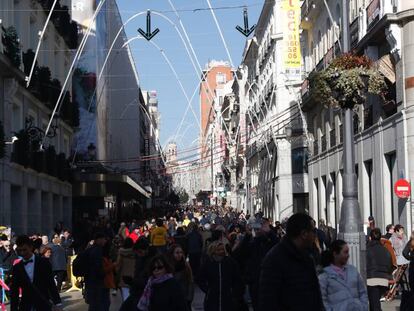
(240, 262)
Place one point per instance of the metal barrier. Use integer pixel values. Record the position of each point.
(74, 281)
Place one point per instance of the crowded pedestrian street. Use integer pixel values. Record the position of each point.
(209, 155)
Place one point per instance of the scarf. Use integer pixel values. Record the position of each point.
(144, 301)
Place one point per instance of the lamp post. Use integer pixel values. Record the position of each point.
(350, 224)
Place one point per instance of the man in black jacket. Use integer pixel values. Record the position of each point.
(251, 252)
(34, 276)
(288, 280)
(379, 269)
(94, 277)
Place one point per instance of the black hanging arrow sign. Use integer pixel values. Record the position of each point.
(148, 34)
(246, 31)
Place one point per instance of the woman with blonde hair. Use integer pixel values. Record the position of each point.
(220, 279)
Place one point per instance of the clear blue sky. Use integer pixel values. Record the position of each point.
(154, 72)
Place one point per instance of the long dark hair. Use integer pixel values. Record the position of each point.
(327, 257)
(181, 265)
(159, 259)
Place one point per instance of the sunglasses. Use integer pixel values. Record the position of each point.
(158, 268)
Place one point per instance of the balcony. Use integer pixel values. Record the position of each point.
(332, 138)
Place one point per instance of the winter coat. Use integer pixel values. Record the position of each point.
(220, 281)
(398, 244)
(379, 262)
(167, 296)
(409, 255)
(388, 245)
(109, 269)
(343, 295)
(288, 280)
(67, 244)
(185, 278)
(251, 252)
(194, 242)
(125, 264)
(58, 259)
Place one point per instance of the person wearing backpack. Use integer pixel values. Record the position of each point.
(94, 274)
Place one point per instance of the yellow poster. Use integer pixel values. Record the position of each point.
(291, 21)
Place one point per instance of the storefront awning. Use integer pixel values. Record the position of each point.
(101, 185)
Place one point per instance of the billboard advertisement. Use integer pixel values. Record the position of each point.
(291, 55)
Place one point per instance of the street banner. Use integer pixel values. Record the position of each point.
(290, 28)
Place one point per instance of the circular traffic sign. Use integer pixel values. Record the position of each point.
(402, 189)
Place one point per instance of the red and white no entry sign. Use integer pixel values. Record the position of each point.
(402, 189)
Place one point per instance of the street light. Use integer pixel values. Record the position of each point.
(350, 224)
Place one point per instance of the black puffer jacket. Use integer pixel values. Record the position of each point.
(379, 262)
(288, 280)
(221, 282)
(167, 296)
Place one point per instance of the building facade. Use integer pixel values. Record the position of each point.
(276, 147)
(214, 78)
(111, 140)
(380, 30)
(35, 192)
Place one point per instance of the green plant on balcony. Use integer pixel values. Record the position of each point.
(2, 142)
(28, 59)
(11, 44)
(47, 91)
(346, 82)
(62, 21)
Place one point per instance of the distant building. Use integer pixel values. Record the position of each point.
(214, 78)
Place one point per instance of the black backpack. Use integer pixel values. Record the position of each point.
(80, 264)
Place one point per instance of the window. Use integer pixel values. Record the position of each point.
(390, 177)
(34, 36)
(32, 115)
(300, 160)
(368, 169)
(66, 145)
(16, 118)
(220, 78)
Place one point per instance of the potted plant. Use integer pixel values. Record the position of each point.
(346, 82)
(11, 44)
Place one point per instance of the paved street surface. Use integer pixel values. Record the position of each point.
(74, 301)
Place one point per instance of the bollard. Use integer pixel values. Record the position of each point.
(73, 279)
